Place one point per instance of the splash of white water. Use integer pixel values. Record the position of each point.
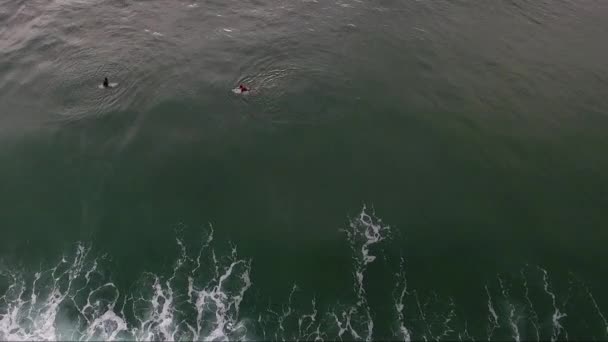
(201, 299)
(70, 301)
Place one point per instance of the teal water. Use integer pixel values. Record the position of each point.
(418, 170)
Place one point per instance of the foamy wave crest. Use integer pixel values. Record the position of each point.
(74, 301)
(364, 231)
(201, 298)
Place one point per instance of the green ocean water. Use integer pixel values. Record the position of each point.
(404, 170)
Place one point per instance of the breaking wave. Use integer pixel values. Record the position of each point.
(201, 298)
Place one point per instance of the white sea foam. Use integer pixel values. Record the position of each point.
(38, 311)
(202, 296)
(364, 231)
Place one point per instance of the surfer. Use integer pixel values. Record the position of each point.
(243, 88)
(106, 83)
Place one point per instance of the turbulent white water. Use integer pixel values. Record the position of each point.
(202, 299)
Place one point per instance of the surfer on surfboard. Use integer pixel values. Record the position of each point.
(107, 85)
(241, 89)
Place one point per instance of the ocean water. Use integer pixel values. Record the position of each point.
(400, 170)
